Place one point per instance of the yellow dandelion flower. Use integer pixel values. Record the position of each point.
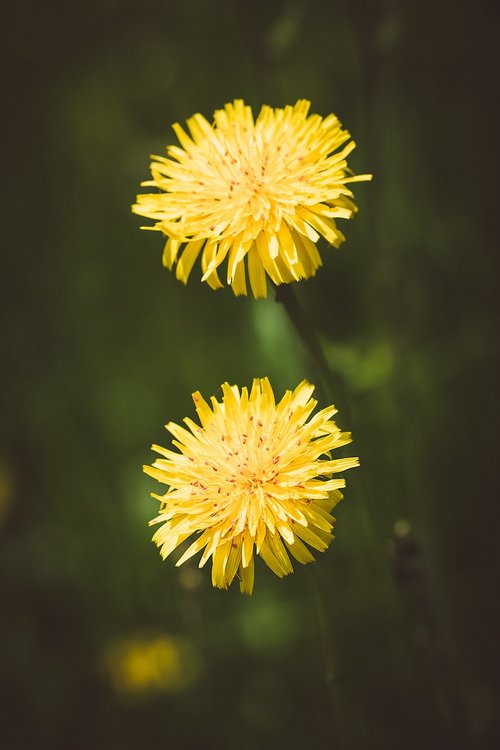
(255, 477)
(257, 193)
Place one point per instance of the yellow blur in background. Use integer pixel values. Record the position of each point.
(155, 664)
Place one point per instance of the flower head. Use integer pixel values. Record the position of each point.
(255, 477)
(262, 190)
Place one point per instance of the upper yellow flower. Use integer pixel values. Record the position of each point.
(263, 190)
(255, 474)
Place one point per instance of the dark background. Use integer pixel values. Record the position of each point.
(101, 644)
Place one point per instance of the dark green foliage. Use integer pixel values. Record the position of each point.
(102, 346)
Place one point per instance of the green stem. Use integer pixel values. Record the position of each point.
(329, 665)
(334, 389)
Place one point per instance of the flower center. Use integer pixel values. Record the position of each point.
(255, 173)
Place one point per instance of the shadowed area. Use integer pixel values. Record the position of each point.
(102, 645)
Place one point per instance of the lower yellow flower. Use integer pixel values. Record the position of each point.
(256, 476)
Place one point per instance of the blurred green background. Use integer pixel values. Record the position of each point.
(101, 644)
